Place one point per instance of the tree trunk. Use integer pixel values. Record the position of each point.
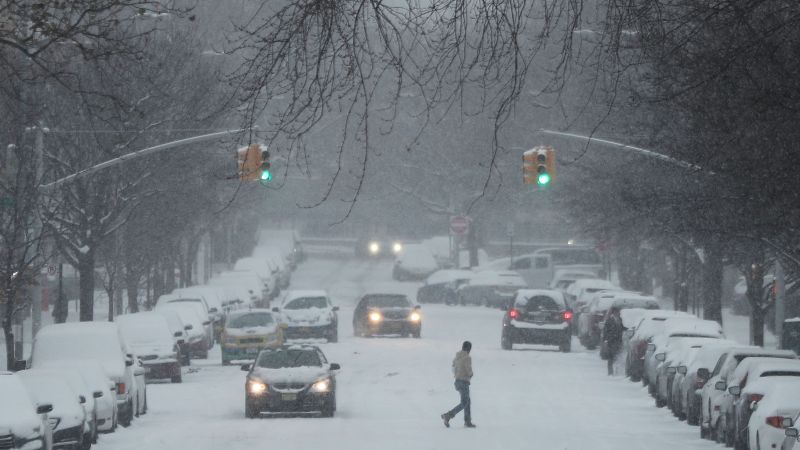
(683, 280)
(757, 326)
(132, 285)
(61, 308)
(712, 281)
(755, 296)
(86, 286)
(169, 273)
(110, 294)
(158, 281)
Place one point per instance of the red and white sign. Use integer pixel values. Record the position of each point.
(459, 225)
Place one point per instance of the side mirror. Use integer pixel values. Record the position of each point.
(44, 409)
(188, 327)
(703, 373)
(139, 371)
(181, 342)
(671, 371)
(753, 406)
(128, 362)
(660, 357)
(213, 310)
(651, 347)
(335, 308)
(245, 367)
(734, 390)
(177, 334)
(97, 394)
(792, 433)
(335, 366)
(720, 385)
(206, 323)
(81, 399)
(682, 370)
(276, 310)
(787, 422)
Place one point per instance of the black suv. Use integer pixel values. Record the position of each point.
(290, 379)
(386, 314)
(538, 316)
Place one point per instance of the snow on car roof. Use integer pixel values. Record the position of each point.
(490, 277)
(295, 294)
(692, 326)
(772, 385)
(448, 275)
(597, 283)
(524, 294)
(708, 356)
(630, 316)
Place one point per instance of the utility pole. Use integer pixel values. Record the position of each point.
(36, 292)
(780, 300)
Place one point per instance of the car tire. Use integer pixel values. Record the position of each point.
(506, 342)
(250, 411)
(691, 416)
(417, 334)
(566, 345)
(126, 420)
(179, 378)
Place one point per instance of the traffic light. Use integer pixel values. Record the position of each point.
(539, 167)
(249, 159)
(266, 175)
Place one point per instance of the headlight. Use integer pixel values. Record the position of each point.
(397, 247)
(256, 387)
(374, 248)
(375, 317)
(321, 386)
(415, 317)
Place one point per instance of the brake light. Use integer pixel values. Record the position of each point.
(754, 397)
(775, 421)
(513, 314)
(120, 388)
(567, 315)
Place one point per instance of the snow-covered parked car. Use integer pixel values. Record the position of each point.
(180, 333)
(23, 421)
(309, 314)
(96, 381)
(538, 316)
(491, 288)
(441, 286)
(774, 412)
(651, 323)
(290, 379)
(564, 278)
(692, 376)
(266, 270)
(251, 288)
(68, 420)
(678, 352)
(199, 331)
(414, 263)
(214, 298)
(93, 342)
(149, 336)
(246, 332)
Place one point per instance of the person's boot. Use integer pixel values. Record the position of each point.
(469, 425)
(446, 419)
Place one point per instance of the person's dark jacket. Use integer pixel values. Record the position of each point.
(612, 332)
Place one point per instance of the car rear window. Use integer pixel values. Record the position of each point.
(781, 373)
(388, 301)
(278, 359)
(250, 320)
(542, 303)
(307, 302)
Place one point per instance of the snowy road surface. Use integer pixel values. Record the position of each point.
(391, 391)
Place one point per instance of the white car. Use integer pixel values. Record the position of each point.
(651, 323)
(23, 422)
(712, 393)
(692, 376)
(774, 413)
(93, 342)
(267, 271)
(564, 278)
(180, 332)
(309, 314)
(247, 281)
(213, 297)
(196, 324)
(149, 336)
(68, 418)
(414, 263)
(96, 381)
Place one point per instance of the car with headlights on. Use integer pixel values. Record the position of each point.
(386, 313)
(415, 262)
(376, 247)
(538, 316)
(149, 336)
(309, 314)
(249, 331)
(23, 422)
(68, 418)
(290, 379)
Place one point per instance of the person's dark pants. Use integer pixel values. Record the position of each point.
(613, 354)
(463, 389)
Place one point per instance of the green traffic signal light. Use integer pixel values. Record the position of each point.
(266, 175)
(543, 179)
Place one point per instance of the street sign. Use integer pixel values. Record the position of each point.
(459, 225)
(51, 270)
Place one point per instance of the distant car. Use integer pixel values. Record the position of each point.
(95, 343)
(626, 302)
(214, 299)
(594, 313)
(386, 313)
(692, 375)
(441, 286)
(309, 314)
(23, 422)
(491, 288)
(96, 380)
(650, 324)
(290, 379)
(247, 332)
(774, 414)
(196, 324)
(180, 333)
(563, 278)
(415, 262)
(537, 316)
(378, 247)
(149, 336)
(673, 355)
(68, 418)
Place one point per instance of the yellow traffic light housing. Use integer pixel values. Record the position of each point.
(251, 161)
(539, 167)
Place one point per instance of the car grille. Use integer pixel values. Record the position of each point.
(282, 386)
(396, 315)
(6, 441)
(250, 340)
(148, 357)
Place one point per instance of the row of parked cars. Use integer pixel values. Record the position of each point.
(87, 378)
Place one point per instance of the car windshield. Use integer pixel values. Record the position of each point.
(541, 303)
(307, 302)
(250, 320)
(388, 301)
(278, 359)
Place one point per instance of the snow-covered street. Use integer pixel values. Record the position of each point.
(391, 391)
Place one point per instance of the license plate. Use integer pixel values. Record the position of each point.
(288, 397)
(251, 350)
